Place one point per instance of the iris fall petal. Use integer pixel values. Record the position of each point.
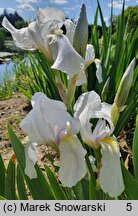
(111, 179)
(72, 163)
(30, 159)
(65, 56)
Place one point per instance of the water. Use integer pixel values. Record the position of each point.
(5, 70)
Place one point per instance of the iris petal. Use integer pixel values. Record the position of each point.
(90, 55)
(49, 14)
(111, 179)
(30, 158)
(87, 99)
(99, 70)
(22, 37)
(84, 109)
(65, 56)
(47, 118)
(72, 163)
(70, 28)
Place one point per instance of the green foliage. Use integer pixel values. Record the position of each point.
(131, 14)
(2, 39)
(22, 190)
(131, 185)
(55, 186)
(135, 149)
(44, 192)
(2, 198)
(2, 176)
(33, 74)
(7, 87)
(130, 19)
(10, 192)
(20, 24)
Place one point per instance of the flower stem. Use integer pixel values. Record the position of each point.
(70, 92)
(60, 86)
(92, 181)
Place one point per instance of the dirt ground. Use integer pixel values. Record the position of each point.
(12, 111)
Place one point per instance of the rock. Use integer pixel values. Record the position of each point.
(2, 61)
(6, 57)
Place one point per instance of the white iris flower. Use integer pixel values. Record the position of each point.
(49, 123)
(89, 107)
(35, 35)
(46, 35)
(69, 61)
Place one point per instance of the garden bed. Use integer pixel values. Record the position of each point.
(12, 111)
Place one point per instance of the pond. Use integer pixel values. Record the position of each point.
(5, 70)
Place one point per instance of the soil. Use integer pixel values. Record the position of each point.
(12, 111)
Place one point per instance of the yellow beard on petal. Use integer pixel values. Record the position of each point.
(93, 145)
(112, 142)
(58, 32)
(87, 64)
(67, 138)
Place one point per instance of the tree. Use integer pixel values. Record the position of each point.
(131, 19)
(20, 24)
(131, 14)
(2, 39)
(14, 19)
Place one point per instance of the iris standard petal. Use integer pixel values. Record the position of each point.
(38, 32)
(50, 19)
(70, 29)
(84, 109)
(49, 14)
(87, 100)
(106, 109)
(111, 179)
(30, 159)
(72, 161)
(65, 56)
(105, 113)
(21, 37)
(85, 128)
(101, 130)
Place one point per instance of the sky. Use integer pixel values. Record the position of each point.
(28, 8)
